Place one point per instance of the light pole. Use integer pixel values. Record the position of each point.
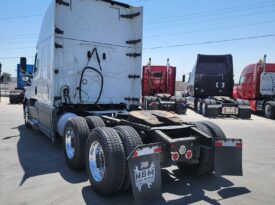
(0, 79)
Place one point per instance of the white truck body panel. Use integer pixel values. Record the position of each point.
(88, 24)
(267, 83)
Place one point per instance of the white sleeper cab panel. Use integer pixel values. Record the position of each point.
(42, 84)
(72, 28)
(89, 24)
(267, 85)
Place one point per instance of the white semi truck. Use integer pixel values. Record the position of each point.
(84, 88)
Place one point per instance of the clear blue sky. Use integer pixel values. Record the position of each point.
(166, 23)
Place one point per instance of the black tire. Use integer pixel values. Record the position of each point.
(130, 139)
(216, 131)
(206, 160)
(114, 157)
(80, 130)
(204, 108)
(180, 108)
(94, 122)
(203, 128)
(269, 110)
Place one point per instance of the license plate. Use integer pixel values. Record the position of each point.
(230, 110)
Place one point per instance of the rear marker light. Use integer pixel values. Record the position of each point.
(175, 156)
(157, 150)
(135, 154)
(188, 154)
(218, 144)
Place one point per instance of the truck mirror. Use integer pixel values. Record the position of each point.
(183, 78)
(23, 64)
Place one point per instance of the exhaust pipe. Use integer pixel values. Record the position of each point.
(149, 76)
(264, 62)
(167, 75)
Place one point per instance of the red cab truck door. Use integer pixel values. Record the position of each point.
(248, 83)
(245, 89)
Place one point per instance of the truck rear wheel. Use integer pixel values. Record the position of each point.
(206, 160)
(74, 139)
(204, 109)
(180, 108)
(216, 131)
(130, 139)
(105, 160)
(94, 122)
(269, 110)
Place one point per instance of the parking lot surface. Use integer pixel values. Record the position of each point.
(34, 171)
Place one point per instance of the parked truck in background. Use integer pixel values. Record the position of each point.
(257, 85)
(210, 88)
(81, 91)
(17, 96)
(158, 89)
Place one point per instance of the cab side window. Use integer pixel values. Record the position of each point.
(241, 80)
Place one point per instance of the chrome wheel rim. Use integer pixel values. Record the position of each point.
(203, 108)
(97, 161)
(267, 109)
(70, 142)
(199, 106)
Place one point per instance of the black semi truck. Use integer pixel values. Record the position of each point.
(210, 88)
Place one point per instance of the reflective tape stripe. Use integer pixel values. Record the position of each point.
(228, 143)
(147, 150)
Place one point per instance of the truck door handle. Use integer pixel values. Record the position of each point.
(35, 90)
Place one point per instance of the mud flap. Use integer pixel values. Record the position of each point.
(145, 173)
(228, 157)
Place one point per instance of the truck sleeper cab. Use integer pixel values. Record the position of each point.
(257, 85)
(210, 88)
(158, 89)
(82, 90)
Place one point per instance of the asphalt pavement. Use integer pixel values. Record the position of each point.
(33, 170)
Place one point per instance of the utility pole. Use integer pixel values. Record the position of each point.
(0, 79)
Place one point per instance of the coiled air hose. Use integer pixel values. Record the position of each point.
(90, 55)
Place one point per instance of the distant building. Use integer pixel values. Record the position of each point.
(6, 87)
(181, 88)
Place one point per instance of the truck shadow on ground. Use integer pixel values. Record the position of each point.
(181, 189)
(187, 190)
(39, 156)
(261, 115)
(223, 117)
(229, 118)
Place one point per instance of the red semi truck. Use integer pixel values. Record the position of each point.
(257, 85)
(158, 89)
